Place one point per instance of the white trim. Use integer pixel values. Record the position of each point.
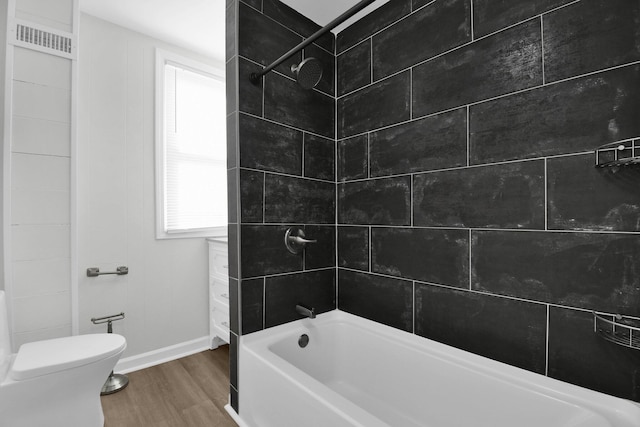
(73, 181)
(234, 415)
(166, 57)
(162, 355)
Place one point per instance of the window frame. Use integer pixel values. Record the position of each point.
(164, 57)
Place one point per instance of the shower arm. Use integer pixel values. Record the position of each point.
(255, 77)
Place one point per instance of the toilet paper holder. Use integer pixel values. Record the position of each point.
(115, 382)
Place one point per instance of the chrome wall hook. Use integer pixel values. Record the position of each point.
(294, 240)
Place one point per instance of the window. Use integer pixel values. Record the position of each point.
(191, 156)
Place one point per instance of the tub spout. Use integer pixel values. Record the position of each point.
(305, 311)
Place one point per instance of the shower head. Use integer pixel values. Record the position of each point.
(308, 72)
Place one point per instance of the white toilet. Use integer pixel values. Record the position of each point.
(55, 383)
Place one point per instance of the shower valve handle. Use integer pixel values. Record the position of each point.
(294, 240)
(299, 240)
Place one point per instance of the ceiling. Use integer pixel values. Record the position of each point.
(192, 24)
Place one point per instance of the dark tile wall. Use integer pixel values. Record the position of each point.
(281, 143)
(468, 207)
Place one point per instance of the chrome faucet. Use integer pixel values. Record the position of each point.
(305, 311)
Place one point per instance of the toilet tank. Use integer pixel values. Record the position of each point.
(5, 340)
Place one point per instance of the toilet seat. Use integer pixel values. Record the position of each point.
(45, 357)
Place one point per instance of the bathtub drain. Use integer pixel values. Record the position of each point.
(303, 340)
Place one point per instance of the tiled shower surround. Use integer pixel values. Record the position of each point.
(463, 204)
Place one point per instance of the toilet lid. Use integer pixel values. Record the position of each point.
(44, 357)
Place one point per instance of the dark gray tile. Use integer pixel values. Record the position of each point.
(319, 157)
(231, 25)
(499, 196)
(268, 146)
(381, 299)
(298, 200)
(321, 254)
(328, 62)
(502, 329)
(354, 68)
(299, 23)
(250, 94)
(429, 255)
(263, 40)
(234, 399)
(256, 4)
(579, 356)
(589, 36)
(374, 21)
(232, 140)
(567, 117)
(313, 289)
(251, 196)
(436, 142)
(263, 251)
(353, 158)
(490, 16)
(496, 65)
(252, 305)
(233, 360)
(353, 247)
(384, 201)
(233, 251)
(232, 195)
(288, 103)
(231, 86)
(381, 104)
(445, 24)
(234, 301)
(593, 271)
(582, 197)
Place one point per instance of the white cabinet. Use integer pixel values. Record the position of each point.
(218, 291)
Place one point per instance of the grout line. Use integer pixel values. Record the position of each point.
(264, 197)
(303, 147)
(266, 119)
(326, 181)
(411, 205)
(470, 260)
(371, 59)
(410, 93)
(544, 80)
(413, 314)
(546, 198)
(546, 350)
(370, 260)
(468, 137)
(472, 29)
(368, 156)
(264, 302)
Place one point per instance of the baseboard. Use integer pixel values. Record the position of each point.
(234, 415)
(162, 355)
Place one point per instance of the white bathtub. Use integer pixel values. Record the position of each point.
(355, 372)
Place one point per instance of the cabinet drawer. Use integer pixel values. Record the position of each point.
(220, 289)
(220, 315)
(218, 263)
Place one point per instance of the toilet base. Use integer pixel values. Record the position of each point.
(114, 383)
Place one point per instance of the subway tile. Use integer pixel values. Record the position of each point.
(269, 146)
(589, 36)
(579, 356)
(314, 289)
(297, 22)
(289, 199)
(490, 16)
(582, 197)
(321, 254)
(231, 27)
(250, 94)
(251, 196)
(445, 24)
(288, 103)
(503, 329)
(572, 116)
(354, 68)
(381, 299)
(328, 62)
(319, 157)
(429, 255)
(353, 247)
(435, 142)
(252, 305)
(593, 271)
(263, 252)
(353, 158)
(369, 24)
(232, 140)
(381, 104)
(500, 196)
(384, 201)
(503, 63)
(263, 40)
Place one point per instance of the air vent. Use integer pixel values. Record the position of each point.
(43, 39)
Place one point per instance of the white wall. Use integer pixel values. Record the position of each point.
(39, 251)
(165, 294)
(3, 53)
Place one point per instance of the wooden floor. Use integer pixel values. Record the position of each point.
(188, 392)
